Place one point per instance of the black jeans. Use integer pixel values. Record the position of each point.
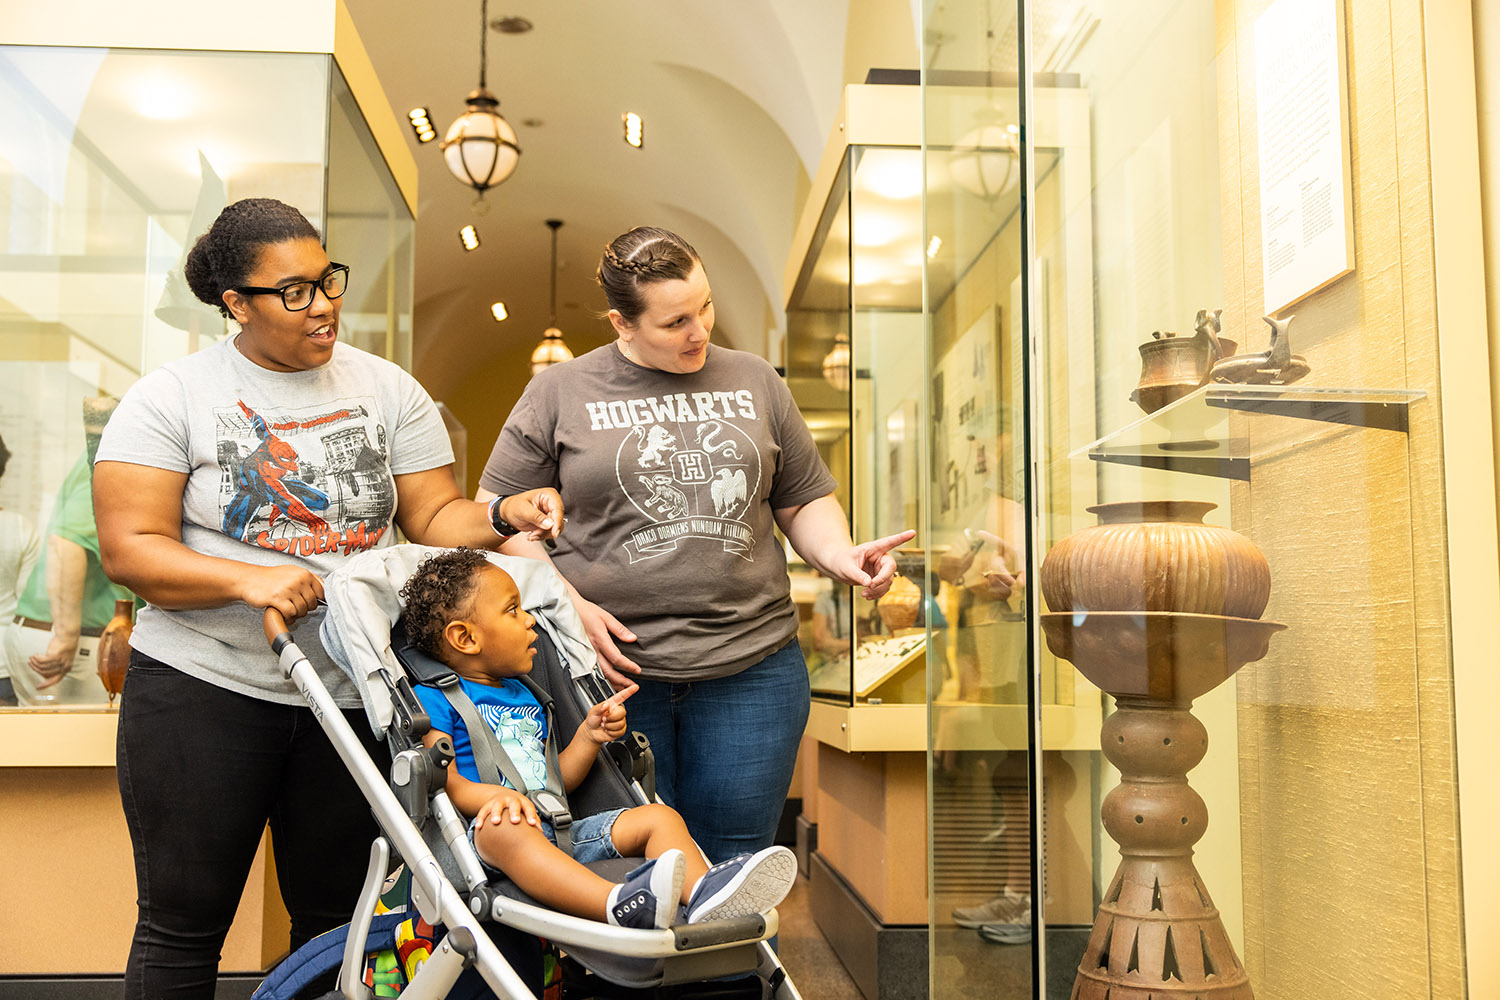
(201, 771)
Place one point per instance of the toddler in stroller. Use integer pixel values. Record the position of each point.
(487, 928)
(465, 612)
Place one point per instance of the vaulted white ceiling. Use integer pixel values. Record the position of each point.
(739, 100)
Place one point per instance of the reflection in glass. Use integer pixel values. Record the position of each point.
(51, 645)
(112, 162)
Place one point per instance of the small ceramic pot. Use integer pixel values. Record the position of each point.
(898, 608)
(1157, 555)
(1171, 367)
(112, 656)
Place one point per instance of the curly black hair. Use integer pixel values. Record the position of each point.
(437, 593)
(223, 257)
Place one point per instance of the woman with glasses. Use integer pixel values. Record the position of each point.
(229, 481)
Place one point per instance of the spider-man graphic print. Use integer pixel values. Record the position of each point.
(305, 482)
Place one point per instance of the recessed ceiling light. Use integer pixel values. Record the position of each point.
(421, 124)
(532, 122)
(498, 311)
(469, 237)
(511, 25)
(635, 129)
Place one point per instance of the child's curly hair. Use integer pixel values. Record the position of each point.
(437, 593)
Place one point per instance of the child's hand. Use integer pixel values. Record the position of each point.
(507, 803)
(606, 720)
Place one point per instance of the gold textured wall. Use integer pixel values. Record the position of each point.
(1348, 775)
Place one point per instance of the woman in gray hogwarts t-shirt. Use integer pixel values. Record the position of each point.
(226, 482)
(678, 460)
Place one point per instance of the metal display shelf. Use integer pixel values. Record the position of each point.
(1192, 434)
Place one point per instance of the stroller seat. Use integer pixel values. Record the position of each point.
(449, 885)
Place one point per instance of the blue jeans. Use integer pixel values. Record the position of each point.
(725, 749)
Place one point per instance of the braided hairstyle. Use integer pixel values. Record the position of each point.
(439, 592)
(643, 256)
(223, 257)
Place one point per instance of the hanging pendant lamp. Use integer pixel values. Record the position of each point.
(480, 147)
(551, 351)
(985, 160)
(836, 363)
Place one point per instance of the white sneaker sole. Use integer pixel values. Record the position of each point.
(666, 883)
(764, 881)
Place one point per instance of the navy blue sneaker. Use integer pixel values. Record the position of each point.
(647, 899)
(750, 883)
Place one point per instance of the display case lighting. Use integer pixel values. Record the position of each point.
(635, 129)
(421, 124)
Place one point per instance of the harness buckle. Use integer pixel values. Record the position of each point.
(551, 808)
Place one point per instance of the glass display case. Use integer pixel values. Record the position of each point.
(114, 162)
(925, 699)
(1161, 415)
(854, 321)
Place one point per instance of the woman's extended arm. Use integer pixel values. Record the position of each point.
(602, 628)
(138, 511)
(819, 533)
(431, 511)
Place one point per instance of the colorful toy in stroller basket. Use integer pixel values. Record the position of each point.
(490, 928)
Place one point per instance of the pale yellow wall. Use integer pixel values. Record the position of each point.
(70, 888)
(1348, 772)
(881, 34)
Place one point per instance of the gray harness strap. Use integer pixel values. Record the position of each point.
(551, 800)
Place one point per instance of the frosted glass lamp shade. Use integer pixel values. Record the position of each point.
(836, 363)
(984, 161)
(551, 351)
(480, 147)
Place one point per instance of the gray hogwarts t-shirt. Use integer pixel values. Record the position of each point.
(283, 468)
(670, 483)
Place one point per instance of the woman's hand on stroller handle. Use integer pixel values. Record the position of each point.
(299, 593)
(291, 590)
(605, 722)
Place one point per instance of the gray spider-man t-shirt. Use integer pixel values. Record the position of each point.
(283, 468)
(670, 483)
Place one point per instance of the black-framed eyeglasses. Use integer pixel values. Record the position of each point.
(299, 294)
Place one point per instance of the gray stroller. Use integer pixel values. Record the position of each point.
(480, 923)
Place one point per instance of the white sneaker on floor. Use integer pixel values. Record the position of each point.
(1018, 932)
(750, 883)
(1006, 908)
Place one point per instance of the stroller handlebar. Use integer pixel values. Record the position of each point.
(277, 633)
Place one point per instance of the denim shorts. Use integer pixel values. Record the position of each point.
(591, 839)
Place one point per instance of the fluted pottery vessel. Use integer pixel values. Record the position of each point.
(1157, 555)
(113, 656)
(1157, 608)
